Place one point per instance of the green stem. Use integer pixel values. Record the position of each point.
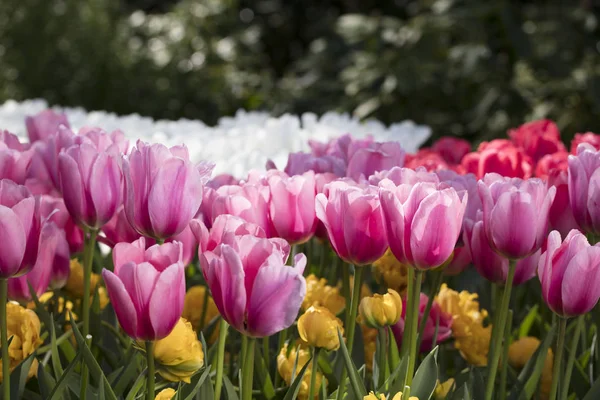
(559, 351)
(572, 355)
(351, 323)
(496, 343)
(313, 373)
(282, 338)
(3, 327)
(88, 260)
(382, 337)
(413, 351)
(248, 370)
(204, 310)
(266, 353)
(410, 293)
(435, 288)
(504, 370)
(223, 326)
(150, 377)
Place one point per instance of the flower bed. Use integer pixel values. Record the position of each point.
(354, 267)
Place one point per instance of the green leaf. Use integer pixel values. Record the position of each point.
(61, 384)
(137, 386)
(477, 383)
(45, 381)
(127, 374)
(207, 391)
(295, 386)
(229, 389)
(91, 362)
(56, 365)
(594, 392)
(261, 371)
(396, 379)
(528, 321)
(189, 391)
(426, 377)
(357, 383)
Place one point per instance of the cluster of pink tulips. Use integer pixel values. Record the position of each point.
(515, 209)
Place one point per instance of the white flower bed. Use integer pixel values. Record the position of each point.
(236, 144)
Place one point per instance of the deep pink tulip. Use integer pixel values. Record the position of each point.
(593, 139)
(538, 138)
(91, 184)
(491, 265)
(292, 207)
(365, 161)
(354, 221)
(161, 256)
(461, 259)
(451, 149)
(498, 156)
(423, 221)
(163, 190)
(61, 262)
(429, 160)
(20, 225)
(551, 163)
(570, 274)
(253, 289)
(54, 209)
(147, 292)
(118, 230)
(515, 214)
(584, 188)
(50, 263)
(249, 201)
(44, 124)
(437, 320)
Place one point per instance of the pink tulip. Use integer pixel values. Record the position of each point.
(429, 160)
(61, 262)
(584, 188)
(570, 274)
(354, 221)
(44, 124)
(423, 221)
(50, 264)
(253, 289)
(222, 180)
(491, 265)
(437, 320)
(160, 256)
(148, 290)
(400, 175)
(15, 158)
(249, 201)
(224, 230)
(44, 164)
(189, 244)
(515, 214)
(376, 157)
(114, 142)
(292, 207)
(163, 190)
(20, 225)
(91, 183)
(299, 163)
(551, 163)
(461, 259)
(561, 213)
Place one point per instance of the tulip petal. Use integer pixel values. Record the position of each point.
(277, 294)
(166, 303)
(106, 187)
(581, 283)
(508, 233)
(126, 252)
(12, 243)
(395, 223)
(122, 303)
(174, 198)
(162, 256)
(72, 187)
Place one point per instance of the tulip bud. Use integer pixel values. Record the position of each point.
(318, 327)
(442, 389)
(378, 310)
(373, 396)
(165, 394)
(179, 355)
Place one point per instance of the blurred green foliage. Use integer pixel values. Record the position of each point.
(470, 68)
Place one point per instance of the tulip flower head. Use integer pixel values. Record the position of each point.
(148, 290)
(584, 188)
(515, 214)
(163, 189)
(423, 221)
(378, 311)
(253, 288)
(318, 327)
(354, 221)
(570, 274)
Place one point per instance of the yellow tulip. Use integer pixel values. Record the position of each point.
(373, 396)
(179, 355)
(74, 284)
(392, 272)
(285, 366)
(193, 306)
(318, 293)
(442, 389)
(318, 327)
(379, 311)
(165, 394)
(519, 354)
(24, 327)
